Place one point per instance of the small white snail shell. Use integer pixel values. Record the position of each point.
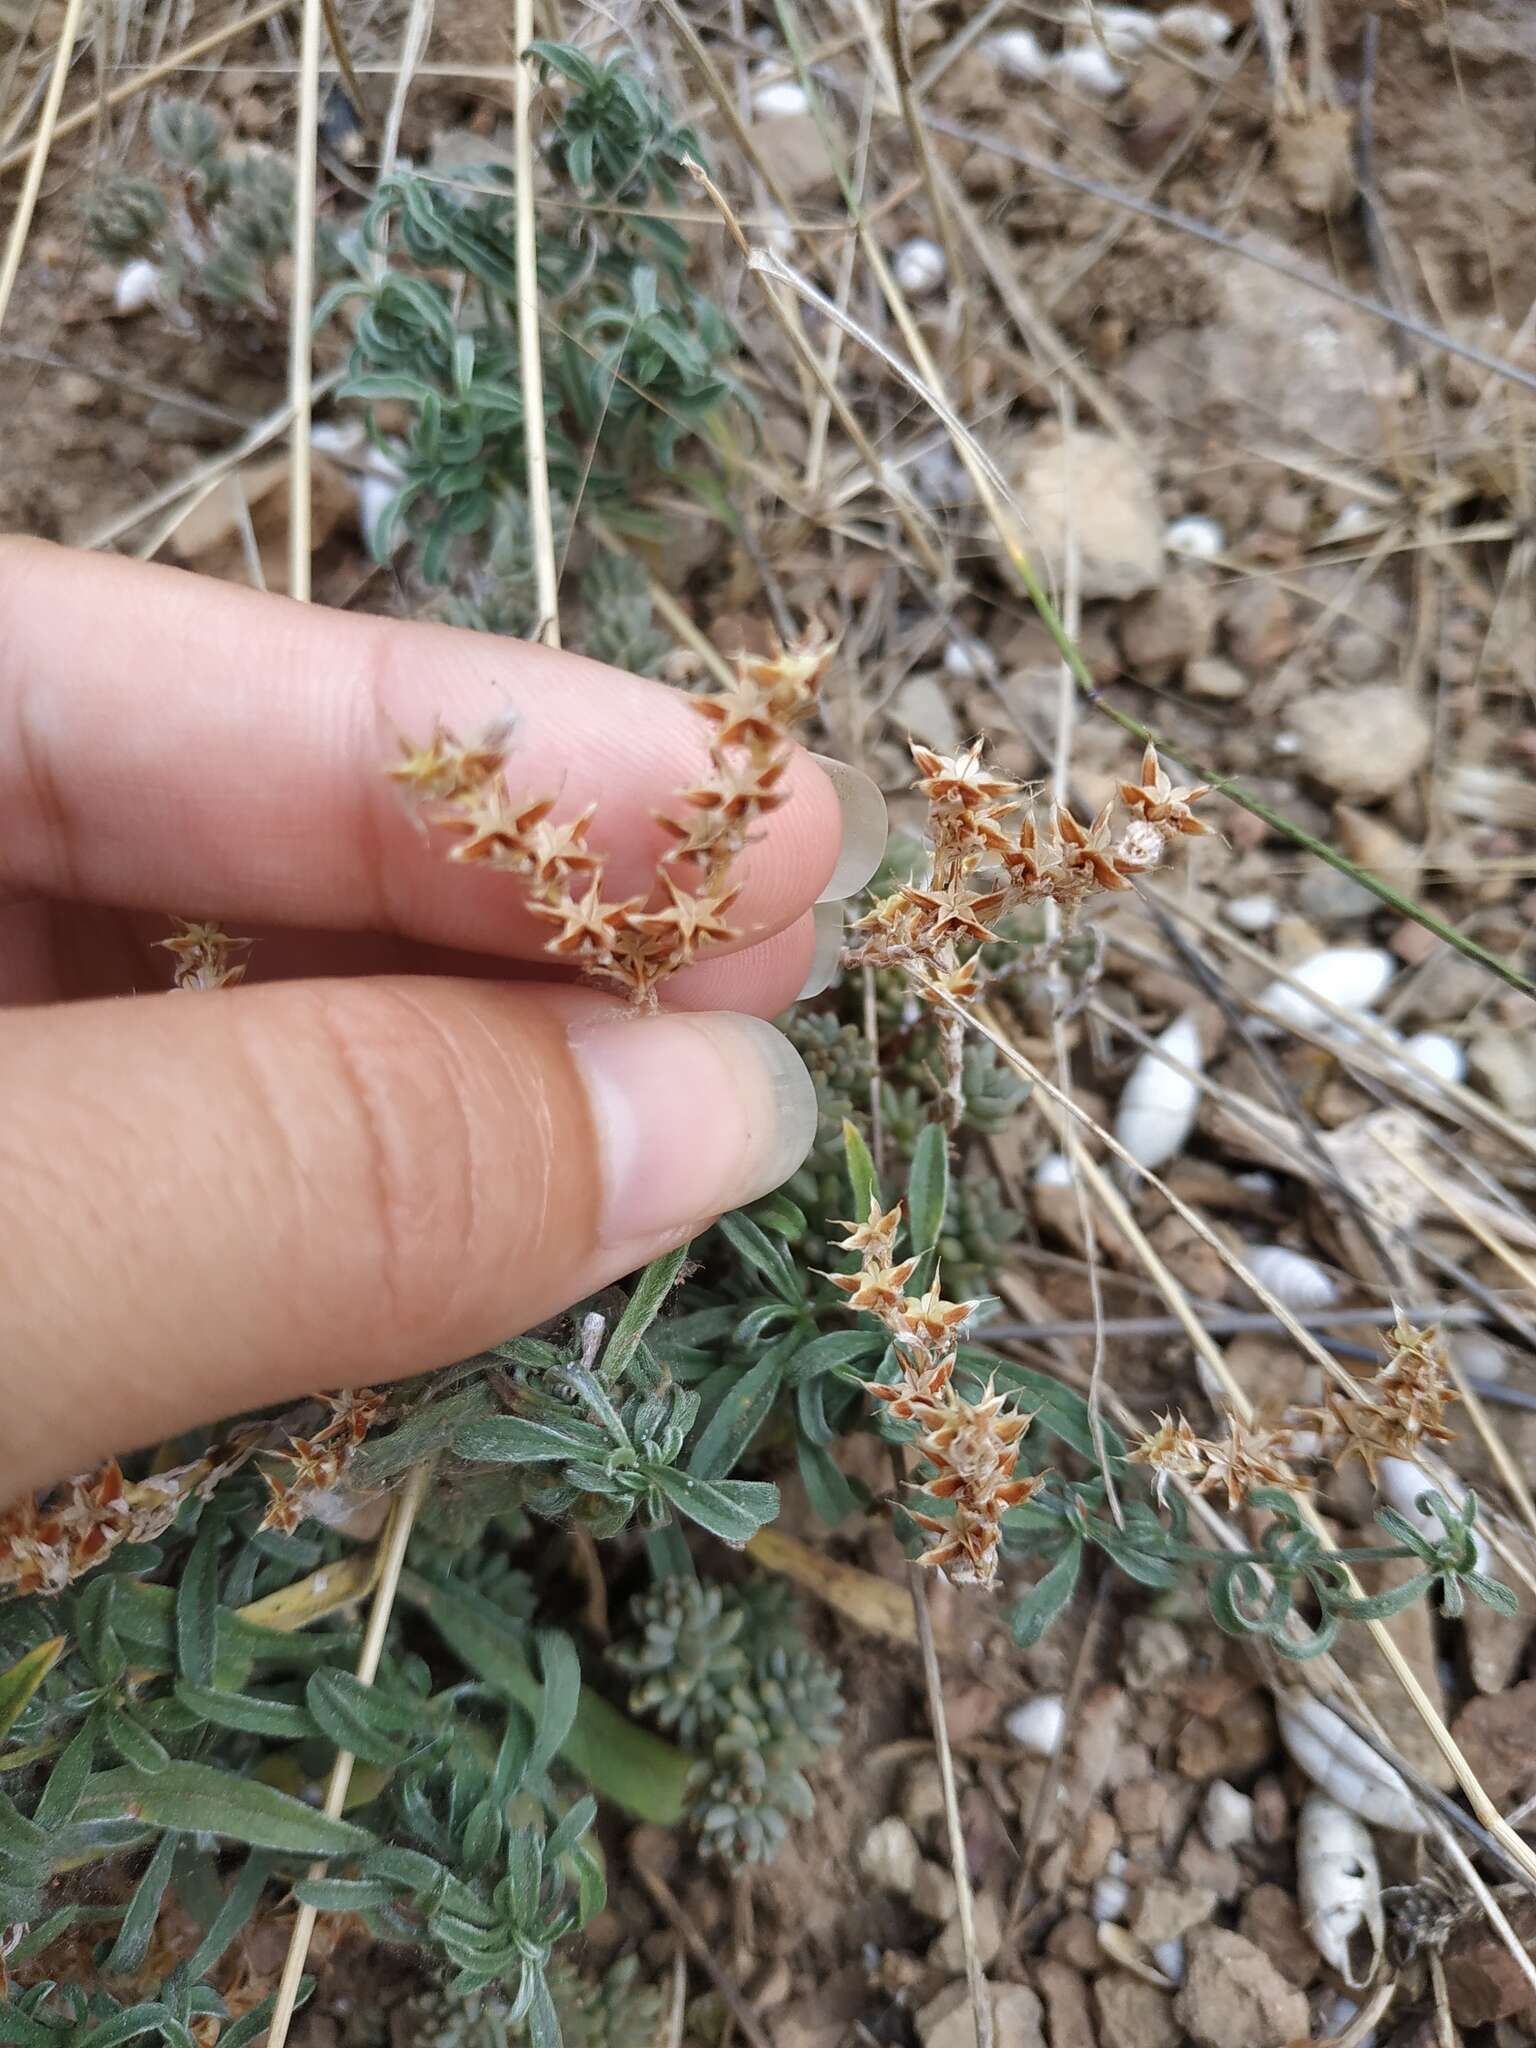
(1338, 1886)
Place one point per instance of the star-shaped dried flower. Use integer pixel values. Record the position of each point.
(1173, 1451)
(445, 767)
(558, 852)
(1087, 855)
(960, 779)
(955, 912)
(588, 925)
(689, 921)
(933, 1320)
(877, 1233)
(1155, 799)
(1246, 1457)
(875, 1289)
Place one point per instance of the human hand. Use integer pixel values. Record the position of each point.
(224, 1200)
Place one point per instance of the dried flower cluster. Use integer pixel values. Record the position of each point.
(984, 864)
(1247, 1456)
(974, 1445)
(633, 944)
(1397, 1412)
(320, 1462)
(205, 956)
(46, 1543)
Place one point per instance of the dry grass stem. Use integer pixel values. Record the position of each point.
(301, 312)
(392, 1551)
(530, 346)
(37, 153)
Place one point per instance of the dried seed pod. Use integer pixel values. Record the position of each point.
(1158, 1105)
(1350, 977)
(1345, 1766)
(1089, 71)
(1018, 53)
(1339, 1887)
(1291, 1277)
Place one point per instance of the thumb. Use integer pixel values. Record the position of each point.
(218, 1201)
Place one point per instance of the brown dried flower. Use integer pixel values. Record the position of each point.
(1172, 1452)
(1397, 1412)
(635, 944)
(204, 955)
(1246, 1457)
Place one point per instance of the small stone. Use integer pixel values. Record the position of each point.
(1154, 1651)
(1074, 1940)
(1036, 1725)
(77, 391)
(1096, 489)
(1141, 1805)
(1215, 678)
(1495, 1733)
(1218, 1870)
(948, 1951)
(1260, 626)
(1110, 1899)
(1133, 2014)
(1169, 627)
(1231, 1744)
(1271, 1920)
(890, 1856)
(922, 1796)
(1271, 1812)
(924, 712)
(1365, 743)
(948, 2022)
(1069, 2022)
(791, 141)
(933, 1891)
(1165, 1911)
(1092, 1845)
(1505, 1064)
(1226, 1816)
(1234, 1997)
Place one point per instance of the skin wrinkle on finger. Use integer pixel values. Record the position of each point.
(261, 794)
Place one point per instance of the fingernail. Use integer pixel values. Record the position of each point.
(829, 919)
(694, 1115)
(865, 826)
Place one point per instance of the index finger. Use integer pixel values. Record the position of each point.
(168, 742)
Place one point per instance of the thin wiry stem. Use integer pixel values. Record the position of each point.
(301, 310)
(42, 142)
(530, 348)
(178, 60)
(1178, 1301)
(998, 504)
(392, 1552)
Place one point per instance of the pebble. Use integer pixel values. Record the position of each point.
(1260, 626)
(1110, 1899)
(890, 1857)
(934, 1893)
(1196, 534)
(1101, 491)
(1234, 1997)
(919, 266)
(1365, 743)
(923, 708)
(1252, 913)
(1169, 627)
(948, 1950)
(1037, 1724)
(1226, 1815)
(1133, 2014)
(1212, 677)
(948, 2022)
(1503, 1062)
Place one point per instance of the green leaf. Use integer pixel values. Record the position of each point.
(430, 1429)
(776, 1212)
(198, 1798)
(861, 1172)
(20, 1682)
(834, 1351)
(240, 1902)
(765, 1257)
(827, 1487)
(508, 1440)
(345, 1894)
(66, 1784)
(1029, 1618)
(197, 1606)
(628, 1765)
(558, 1700)
(927, 1187)
(732, 1509)
(645, 1304)
(738, 1419)
(133, 1741)
(359, 1717)
(132, 1943)
(283, 1720)
(1056, 1408)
